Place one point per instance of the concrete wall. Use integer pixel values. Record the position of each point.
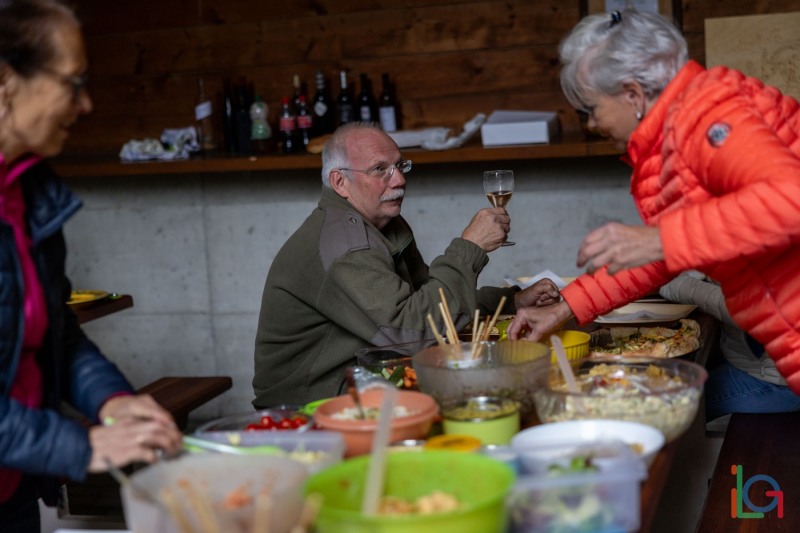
(194, 250)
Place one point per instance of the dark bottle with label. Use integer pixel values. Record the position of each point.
(297, 89)
(387, 105)
(367, 107)
(228, 119)
(243, 123)
(345, 107)
(324, 118)
(203, 115)
(287, 124)
(304, 123)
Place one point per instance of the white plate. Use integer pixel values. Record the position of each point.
(646, 313)
(526, 281)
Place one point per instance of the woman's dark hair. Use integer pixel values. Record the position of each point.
(26, 27)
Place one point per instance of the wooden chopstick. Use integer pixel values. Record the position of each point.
(449, 328)
(488, 329)
(435, 330)
(201, 503)
(448, 318)
(171, 503)
(309, 513)
(261, 520)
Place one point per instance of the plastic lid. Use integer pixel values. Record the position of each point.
(456, 443)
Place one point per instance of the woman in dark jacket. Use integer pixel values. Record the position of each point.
(44, 356)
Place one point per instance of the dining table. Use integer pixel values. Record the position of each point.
(658, 474)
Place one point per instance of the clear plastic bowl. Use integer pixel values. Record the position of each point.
(663, 393)
(504, 369)
(393, 362)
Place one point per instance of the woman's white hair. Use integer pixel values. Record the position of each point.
(603, 51)
(334, 153)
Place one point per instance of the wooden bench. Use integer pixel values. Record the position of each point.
(180, 396)
(758, 444)
(98, 497)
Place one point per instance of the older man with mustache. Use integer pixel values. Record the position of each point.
(351, 276)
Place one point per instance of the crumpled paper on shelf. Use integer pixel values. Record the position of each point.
(175, 143)
(471, 127)
(437, 138)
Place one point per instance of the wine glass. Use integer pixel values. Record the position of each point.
(499, 186)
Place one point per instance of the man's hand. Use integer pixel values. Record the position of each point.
(488, 228)
(533, 323)
(542, 293)
(620, 247)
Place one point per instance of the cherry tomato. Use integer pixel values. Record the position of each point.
(254, 427)
(286, 423)
(268, 422)
(298, 422)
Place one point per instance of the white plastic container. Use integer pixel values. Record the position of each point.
(602, 501)
(227, 485)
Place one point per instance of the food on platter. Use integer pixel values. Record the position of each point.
(435, 502)
(660, 342)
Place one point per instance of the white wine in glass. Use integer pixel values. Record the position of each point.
(499, 186)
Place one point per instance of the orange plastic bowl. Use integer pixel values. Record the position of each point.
(358, 434)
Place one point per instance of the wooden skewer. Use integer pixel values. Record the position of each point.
(450, 329)
(435, 330)
(168, 497)
(261, 521)
(488, 330)
(202, 506)
(475, 326)
(449, 318)
(309, 513)
(476, 345)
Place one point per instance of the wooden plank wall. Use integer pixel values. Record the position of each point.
(449, 59)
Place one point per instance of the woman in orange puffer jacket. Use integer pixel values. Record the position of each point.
(716, 178)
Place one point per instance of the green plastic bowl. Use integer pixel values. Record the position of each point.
(479, 483)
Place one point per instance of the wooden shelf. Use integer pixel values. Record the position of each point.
(571, 144)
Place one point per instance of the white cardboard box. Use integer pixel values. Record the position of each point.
(519, 127)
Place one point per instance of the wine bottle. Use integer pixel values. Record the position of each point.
(387, 106)
(243, 125)
(367, 108)
(304, 123)
(324, 119)
(202, 114)
(297, 89)
(345, 108)
(287, 125)
(229, 121)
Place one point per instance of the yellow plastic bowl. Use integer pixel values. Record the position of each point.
(576, 345)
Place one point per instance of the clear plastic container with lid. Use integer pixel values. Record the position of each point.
(591, 487)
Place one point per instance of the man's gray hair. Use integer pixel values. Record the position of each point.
(334, 154)
(601, 54)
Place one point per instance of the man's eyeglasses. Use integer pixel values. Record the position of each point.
(385, 172)
(76, 83)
